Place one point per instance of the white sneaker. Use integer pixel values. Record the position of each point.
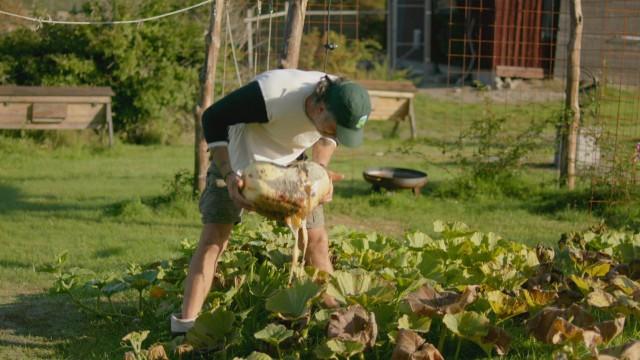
(180, 326)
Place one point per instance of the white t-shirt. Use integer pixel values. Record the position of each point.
(289, 132)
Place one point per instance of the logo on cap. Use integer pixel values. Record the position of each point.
(362, 121)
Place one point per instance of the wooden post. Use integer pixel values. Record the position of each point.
(207, 82)
(427, 36)
(110, 124)
(293, 34)
(572, 104)
(412, 120)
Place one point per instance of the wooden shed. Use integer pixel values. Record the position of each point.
(610, 41)
(56, 108)
(485, 38)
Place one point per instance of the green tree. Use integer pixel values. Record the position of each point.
(152, 67)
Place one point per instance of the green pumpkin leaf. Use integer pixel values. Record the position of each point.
(142, 280)
(293, 302)
(414, 322)
(114, 287)
(505, 306)
(258, 356)
(274, 334)
(322, 316)
(418, 240)
(345, 348)
(477, 328)
(467, 324)
(211, 329)
(582, 284)
(358, 286)
(598, 269)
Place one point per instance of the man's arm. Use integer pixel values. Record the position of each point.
(321, 153)
(244, 105)
(220, 157)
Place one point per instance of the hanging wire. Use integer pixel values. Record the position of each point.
(258, 38)
(233, 47)
(269, 37)
(329, 46)
(42, 20)
(224, 63)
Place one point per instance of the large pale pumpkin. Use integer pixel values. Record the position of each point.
(280, 192)
(289, 194)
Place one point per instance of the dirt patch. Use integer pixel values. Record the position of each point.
(511, 92)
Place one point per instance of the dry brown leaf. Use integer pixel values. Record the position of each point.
(630, 270)
(505, 306)
(551, 325)
(600, 298)
(634, 269)
(545, 254)
(611, 328)
(430, 302)
(556, 326)
(184, 351)
(354, 324)
(537, 297)
(156, 352)
(410, 346)
(628, 351)
(561, 330)
(499, 338)
(544, 276)
(592, 339)
(625, 284)
(427, 352)
(567, 297)
(589, 257)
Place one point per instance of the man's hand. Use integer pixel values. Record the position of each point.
(234, 185)
(333, 176)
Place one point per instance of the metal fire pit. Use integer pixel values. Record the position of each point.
(395, 178)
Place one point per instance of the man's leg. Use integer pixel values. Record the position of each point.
(318, 256)
(318, 249)
(213, 241)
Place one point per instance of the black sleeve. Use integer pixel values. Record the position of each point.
(243, 105)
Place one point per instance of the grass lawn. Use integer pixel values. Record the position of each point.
(85, 200)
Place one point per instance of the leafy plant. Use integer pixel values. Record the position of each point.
(458, 287)
(491, 154)
(356, 59)
(293, 302)
(274, 334)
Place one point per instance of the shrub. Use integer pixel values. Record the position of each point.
(180, 187)
(356, 59)
(133, 209)
(492, 156)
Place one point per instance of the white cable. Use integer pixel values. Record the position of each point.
(269, 36)
(116, 22)
(233, 48)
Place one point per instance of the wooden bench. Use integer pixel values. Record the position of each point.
(56, 108)
(392, 100)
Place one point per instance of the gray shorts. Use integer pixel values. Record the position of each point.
(216, 206)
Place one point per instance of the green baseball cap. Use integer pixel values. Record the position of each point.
(351, 106)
